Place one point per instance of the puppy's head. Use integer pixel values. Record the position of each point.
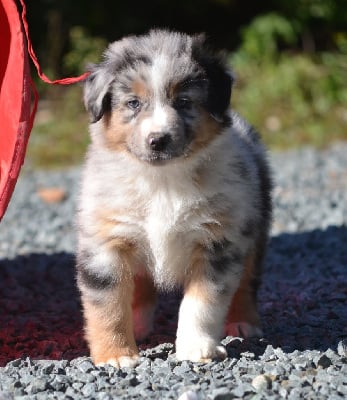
(159, 96)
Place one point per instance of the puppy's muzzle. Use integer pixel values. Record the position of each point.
(159, 141)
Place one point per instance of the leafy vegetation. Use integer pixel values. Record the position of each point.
(292, 98)
(60, 134)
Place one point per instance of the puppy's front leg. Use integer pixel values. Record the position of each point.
(106, 284)
(215, 276)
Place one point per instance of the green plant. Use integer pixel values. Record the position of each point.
(60, 134)
(261, 39)
(292, 98)
(83, 49)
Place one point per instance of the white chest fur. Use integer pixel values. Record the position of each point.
(174, 224)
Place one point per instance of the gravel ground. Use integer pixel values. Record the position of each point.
(302, 301)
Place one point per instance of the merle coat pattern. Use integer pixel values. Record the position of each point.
(175, 192)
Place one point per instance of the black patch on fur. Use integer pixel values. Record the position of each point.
(265, 189)
(97, 87)
(129, 60)
(220, 80)
(106, 103)
(223, 256)
(241, 168)
(97, 95)
(95, 281)
(266, 184)
(189, 132)
(91, 279)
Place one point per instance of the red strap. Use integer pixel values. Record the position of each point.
(64, 81)
(35, 104)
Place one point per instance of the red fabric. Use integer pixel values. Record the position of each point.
(16, 87)
(15, 99)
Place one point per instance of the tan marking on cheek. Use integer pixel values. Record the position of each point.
(116, 132)
(243, 306)
(207, 130)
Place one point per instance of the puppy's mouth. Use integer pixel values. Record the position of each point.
(157, 158)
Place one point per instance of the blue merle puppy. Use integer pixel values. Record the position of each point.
(175, 192)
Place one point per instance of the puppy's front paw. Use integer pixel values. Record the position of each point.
(199, 350)
(120, 362)
(121, 357)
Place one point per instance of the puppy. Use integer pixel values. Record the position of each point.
(175, 192)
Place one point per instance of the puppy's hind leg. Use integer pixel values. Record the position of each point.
(243, 318)
(143, 306)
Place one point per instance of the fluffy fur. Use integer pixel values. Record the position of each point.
(175, 191)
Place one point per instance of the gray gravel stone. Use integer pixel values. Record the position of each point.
(342, 348)
(221, 394)
(324, 361)
(261, 382)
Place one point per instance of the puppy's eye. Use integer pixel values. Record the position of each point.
(134, 104)
(183, 103)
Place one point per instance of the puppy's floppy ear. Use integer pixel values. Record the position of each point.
(97, 96)
(219, 76)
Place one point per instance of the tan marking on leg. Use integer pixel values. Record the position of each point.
(106, 222)
(243, 307)
(195, 285)
(109, 326)
(109, 320)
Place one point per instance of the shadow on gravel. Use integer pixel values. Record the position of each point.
(304, 292)
(39, 308)
(302, 301)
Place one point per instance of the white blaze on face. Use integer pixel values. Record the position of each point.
(158, 121)
(158, 74)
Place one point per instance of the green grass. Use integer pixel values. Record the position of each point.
(293, 100)
(60, 134)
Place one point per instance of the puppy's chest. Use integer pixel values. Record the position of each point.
(174, 225)
(167, 226)
(170, 216)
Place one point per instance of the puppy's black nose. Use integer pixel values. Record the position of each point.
(159, 141)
